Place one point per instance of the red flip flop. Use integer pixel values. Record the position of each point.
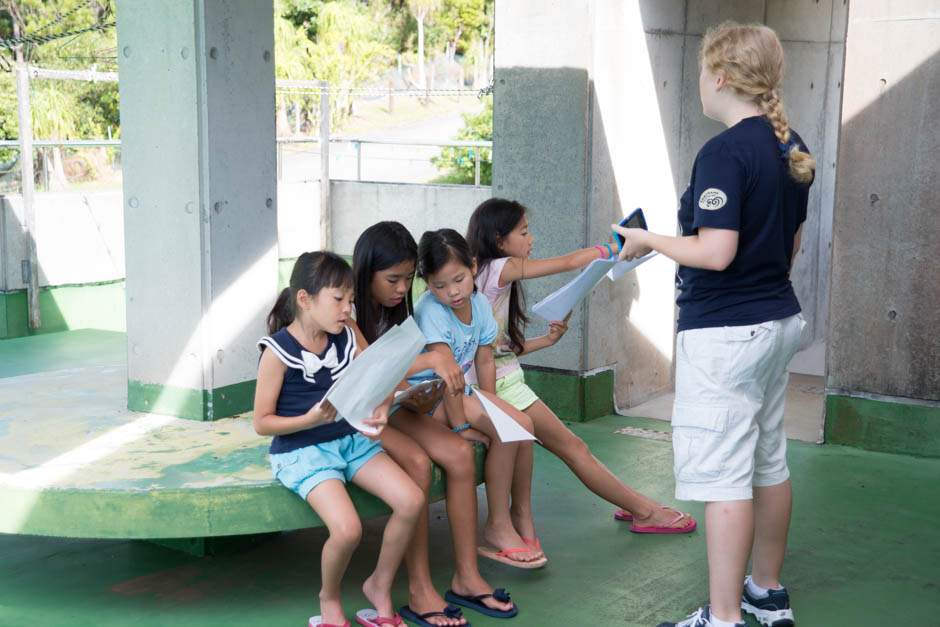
(667, 528)
(371, 618)
(622, 514)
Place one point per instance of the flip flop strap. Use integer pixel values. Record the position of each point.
(451, 611)
(511, 551)
(499, 594)
(395, 620)
(679, 516)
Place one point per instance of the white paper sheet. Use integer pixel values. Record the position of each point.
(623, 267)
(371, 377)
(417, 390)
(508, 429)
(556, 305)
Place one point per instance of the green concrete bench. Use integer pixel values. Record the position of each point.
(74, 462)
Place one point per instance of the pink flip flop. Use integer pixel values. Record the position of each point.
(667, 528)
(622, 514)
(535, 544)
(371, 618)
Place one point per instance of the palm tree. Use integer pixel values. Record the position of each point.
(421, 9)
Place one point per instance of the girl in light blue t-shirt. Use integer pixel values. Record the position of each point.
(456, 319)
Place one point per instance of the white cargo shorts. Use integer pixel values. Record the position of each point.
(727, 419)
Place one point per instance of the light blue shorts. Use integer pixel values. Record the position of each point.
(304, 469)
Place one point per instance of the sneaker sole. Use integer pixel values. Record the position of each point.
(770, 618)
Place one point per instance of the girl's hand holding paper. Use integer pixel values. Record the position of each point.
(321, 413)
(379, 419)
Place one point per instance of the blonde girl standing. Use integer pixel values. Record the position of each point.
(739, 323)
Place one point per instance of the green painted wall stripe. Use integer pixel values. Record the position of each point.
(223, 402)
(90, 306)
(571, 396)
(168, 400)
(231, 400)
(890, 427)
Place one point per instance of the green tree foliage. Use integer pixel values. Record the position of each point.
(347, 50)
(462, 20)
(458, 164)
(62, 109)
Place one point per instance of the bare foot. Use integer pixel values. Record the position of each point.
(506, 539)
(331, 611)
(472, 586)
(523, 524)
(380, 598)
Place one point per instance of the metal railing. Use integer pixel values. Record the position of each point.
(357, 142)
(44, 144)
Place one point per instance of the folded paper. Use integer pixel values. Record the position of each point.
(366, 382)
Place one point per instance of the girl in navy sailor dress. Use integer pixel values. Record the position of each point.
(314, 454)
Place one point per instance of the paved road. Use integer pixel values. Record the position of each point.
(380, 162)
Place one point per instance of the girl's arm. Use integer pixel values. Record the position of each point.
(518, 268)
(443, 363)
(486, 368)
(270, 377)
(556, 328)
(710, 249)
(453, 400)
(797, 239)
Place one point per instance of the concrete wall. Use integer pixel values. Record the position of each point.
(81, 234)
(81, 238)
(885, 308)
(633, 67)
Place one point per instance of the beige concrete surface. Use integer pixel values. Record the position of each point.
(803, 416)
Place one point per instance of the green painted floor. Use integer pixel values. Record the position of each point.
(864, 550)
(59, 351)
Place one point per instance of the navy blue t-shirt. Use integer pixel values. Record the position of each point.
(740, 181)
(307, 379)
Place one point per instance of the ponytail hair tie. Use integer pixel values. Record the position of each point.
(786, 148)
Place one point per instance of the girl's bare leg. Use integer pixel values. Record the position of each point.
(332, 504)
(384, 478)
(498, 474)
(772, 508)
(407, 453)
(572, 450)
(521, 491)
(729, 532)
(455, 455)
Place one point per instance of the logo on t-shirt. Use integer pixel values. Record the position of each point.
(712, 198)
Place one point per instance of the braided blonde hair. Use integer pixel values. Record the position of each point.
(750, 59)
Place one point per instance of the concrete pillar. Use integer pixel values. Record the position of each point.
(883, 385)
(541, 117)
(197, 124)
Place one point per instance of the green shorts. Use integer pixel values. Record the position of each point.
(513, 390)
